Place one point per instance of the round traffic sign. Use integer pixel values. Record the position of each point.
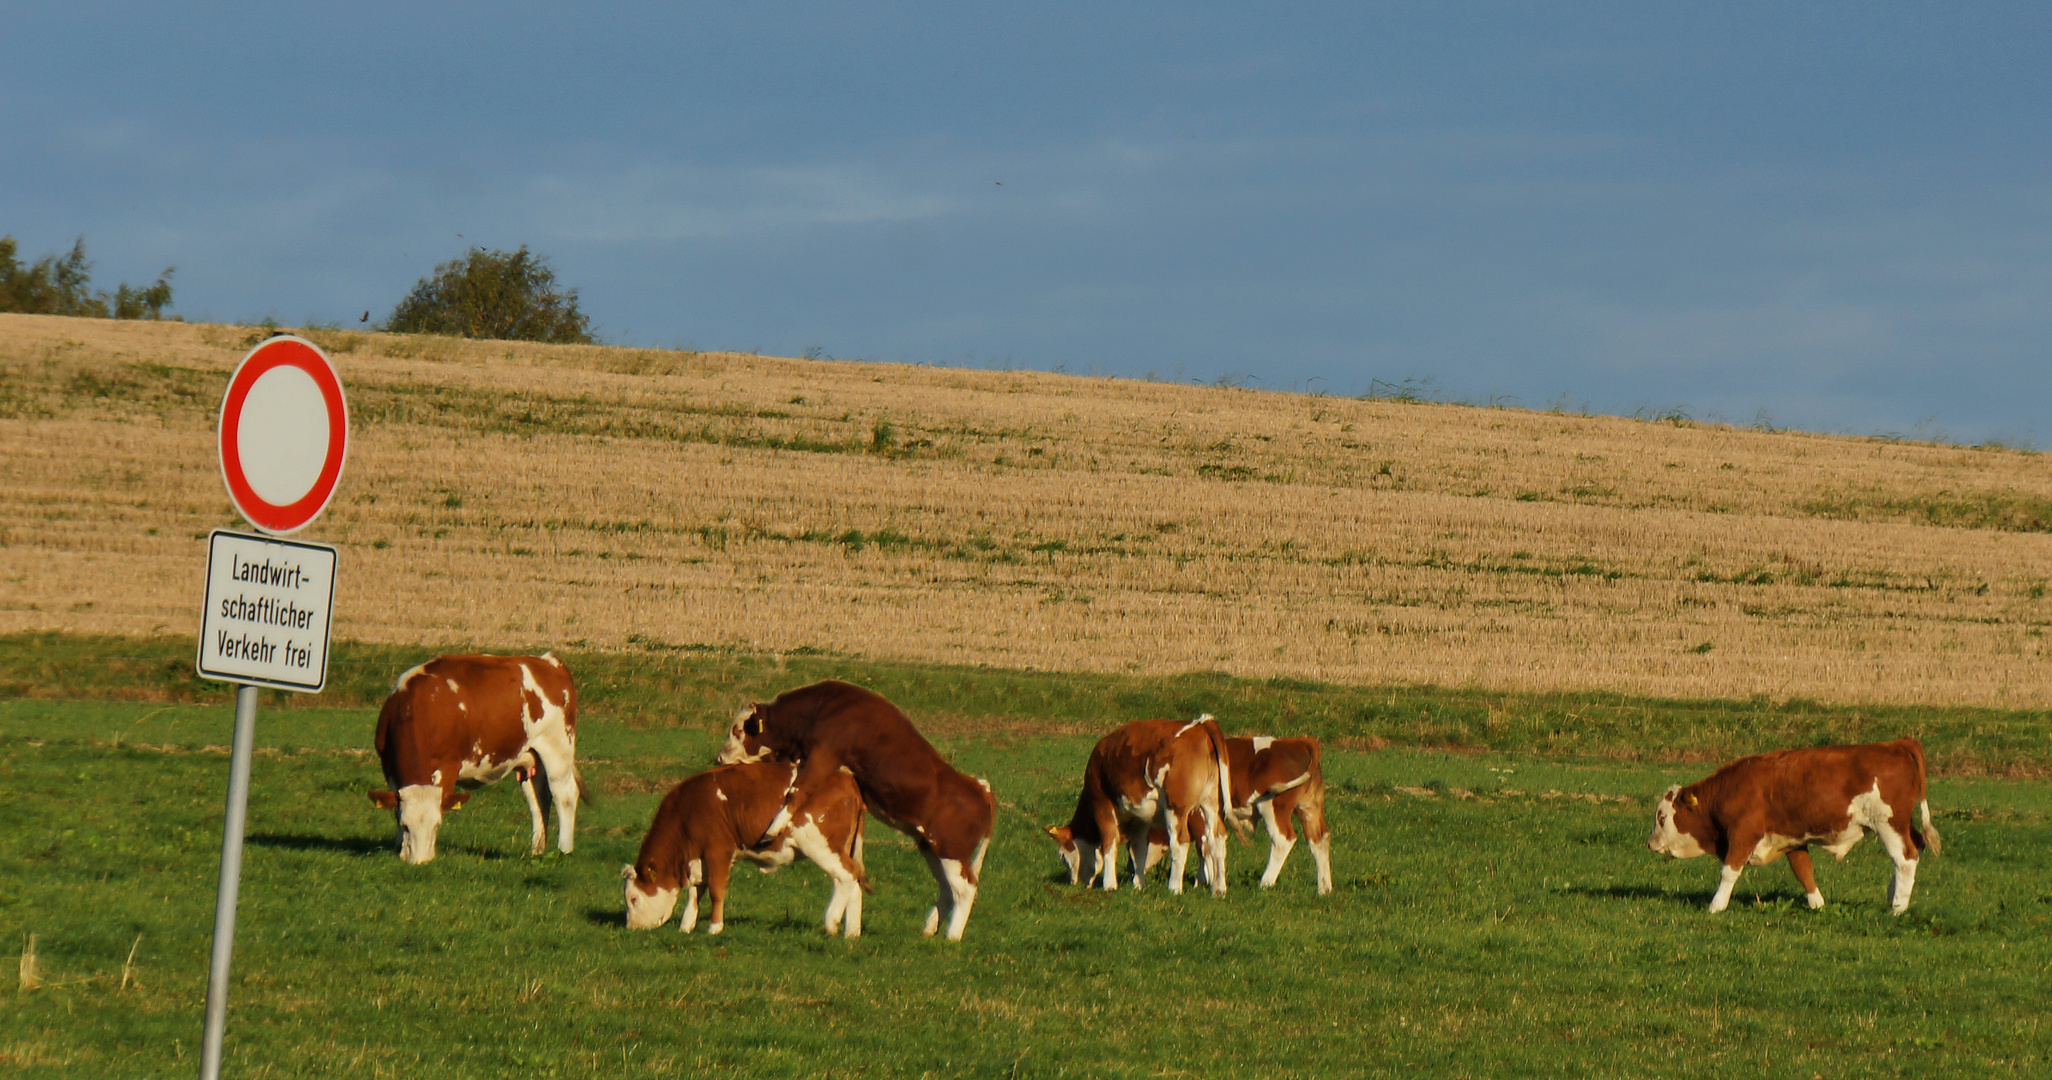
(284, 434)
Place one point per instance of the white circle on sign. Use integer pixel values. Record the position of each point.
(286, 415)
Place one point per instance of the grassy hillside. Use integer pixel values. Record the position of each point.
(612, 499)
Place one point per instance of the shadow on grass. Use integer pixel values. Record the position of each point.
(612, 916)
(348, 845)
(1692, 898)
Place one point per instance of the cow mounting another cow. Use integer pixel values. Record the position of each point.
(472, 720)
(829, 726)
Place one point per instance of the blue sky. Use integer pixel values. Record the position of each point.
(1833, 215)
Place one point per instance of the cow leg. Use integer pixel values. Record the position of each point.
(1214, 850)
(694, 886)
(1179, 850)
(1904, 855)
(813, 844)
(1281, 840)
(961, 895)
(564, 788)
(1136, 851)
(1728, 875)
(717, 872)
(556, 756)
(944, 903)
(534, 810)
(1799, 863)
(1320, 838)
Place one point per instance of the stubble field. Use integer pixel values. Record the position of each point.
(529, 496)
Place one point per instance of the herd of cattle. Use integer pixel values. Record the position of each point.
(798, 775)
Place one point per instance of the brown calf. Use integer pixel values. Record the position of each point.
(709, 822)
(1759, 808)
(1167, 773)
(469, 721)
(830, 726)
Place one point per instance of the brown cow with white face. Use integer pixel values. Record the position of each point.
(1168, 773)
(710, 821)
(470, 721)
(1759, 808)
(830, 726)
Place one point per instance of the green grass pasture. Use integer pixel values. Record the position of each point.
(1474, 932)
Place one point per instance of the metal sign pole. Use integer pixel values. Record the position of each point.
(231, 881)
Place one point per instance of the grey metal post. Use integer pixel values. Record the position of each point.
(231, 881)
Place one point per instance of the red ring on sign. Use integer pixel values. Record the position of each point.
(283, 351)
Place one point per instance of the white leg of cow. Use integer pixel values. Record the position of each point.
(1321, 853)
(851, 916)
(1727, 877)
(946, 899)
(1108, 863)
(1179, 853)
(1215, 858)
(813, 844)
(557, 756)
(1905, 879)
(962, 896)
(565, 792)
(694, 878)
(534, 810)
(1279, 846)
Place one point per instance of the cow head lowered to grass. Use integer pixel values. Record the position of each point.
(473, 720)
(832, 725)
(419, 808)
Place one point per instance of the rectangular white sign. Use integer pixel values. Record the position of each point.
(270, 604)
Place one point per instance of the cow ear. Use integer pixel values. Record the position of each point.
(1693, 801)
(752, 727)
(455, 800)
(386, 800)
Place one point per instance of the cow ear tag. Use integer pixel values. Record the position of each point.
(752, 727)
(1694, 802)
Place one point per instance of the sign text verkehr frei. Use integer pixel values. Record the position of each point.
(269, 607)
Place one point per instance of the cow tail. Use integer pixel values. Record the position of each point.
(584, 794)
(1224, 759)
(1929, 837)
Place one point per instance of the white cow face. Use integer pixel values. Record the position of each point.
(420, 817)
(419, 808)
(647, 907)
(1071, 852)
(1671, 817)
(744, 740)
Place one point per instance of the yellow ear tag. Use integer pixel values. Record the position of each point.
(1693, 802)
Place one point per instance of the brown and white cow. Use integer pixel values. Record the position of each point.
(830, 726)
(1171, 774)
(470, 721)
(1275, 780)
(1759, 808)
(709, 822)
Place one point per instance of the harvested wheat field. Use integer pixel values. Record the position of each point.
(518, 496)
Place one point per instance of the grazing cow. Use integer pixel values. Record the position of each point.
(469, 721)
(1149, 773)
(709, 822)
(830, 726)
(1759, 808)
(1275, 780)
